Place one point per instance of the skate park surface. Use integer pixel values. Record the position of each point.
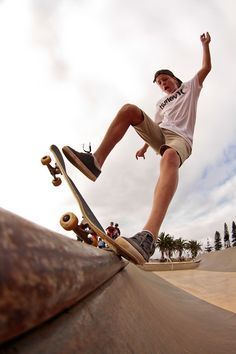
(213, 281)
(128, 310)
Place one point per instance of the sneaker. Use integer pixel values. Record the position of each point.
(143, 243)
(84, 161)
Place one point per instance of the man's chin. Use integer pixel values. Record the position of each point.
(169, 91)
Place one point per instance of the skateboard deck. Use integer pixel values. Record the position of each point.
(87, 213)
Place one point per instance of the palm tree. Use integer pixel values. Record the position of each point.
(170, 246)
(194, 248)
(180, 246)
(162, 244)
(165, 243)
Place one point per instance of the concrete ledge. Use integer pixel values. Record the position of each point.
(133, 312)
(42, 273)
(156, 266)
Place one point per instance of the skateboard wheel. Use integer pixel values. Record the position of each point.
(46, 160)
(69, 221)
(56, 182)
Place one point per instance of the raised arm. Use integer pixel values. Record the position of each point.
(206, 58)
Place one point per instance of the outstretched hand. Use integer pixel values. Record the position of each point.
(141, 152)
(205, 38)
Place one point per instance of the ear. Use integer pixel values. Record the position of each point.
(177, 82)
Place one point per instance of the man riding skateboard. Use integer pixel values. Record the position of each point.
(170, 135)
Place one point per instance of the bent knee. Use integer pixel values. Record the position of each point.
(171, 157)
(133, 113)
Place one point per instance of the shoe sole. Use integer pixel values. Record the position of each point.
(131, 251)
(78, 163)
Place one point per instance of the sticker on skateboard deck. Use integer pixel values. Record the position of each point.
(88, 215)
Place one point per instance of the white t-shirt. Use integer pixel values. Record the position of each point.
(177, 111)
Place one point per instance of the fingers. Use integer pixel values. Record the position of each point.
(208, 37)
(139, 155)
(205, 37)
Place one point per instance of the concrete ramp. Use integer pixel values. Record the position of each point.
(219, 261)
(133, 311)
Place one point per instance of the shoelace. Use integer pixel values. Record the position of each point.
(89, 150)
(146, 241)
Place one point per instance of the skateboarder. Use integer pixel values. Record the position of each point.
(170, 135)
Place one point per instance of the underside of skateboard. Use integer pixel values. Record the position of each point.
(69, 220)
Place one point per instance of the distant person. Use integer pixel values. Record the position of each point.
(110, 229)
(101, 243)
(170, 135)
(116, 232)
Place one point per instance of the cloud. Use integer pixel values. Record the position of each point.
(210, 203)
(72, 64)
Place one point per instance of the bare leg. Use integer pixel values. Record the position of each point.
(128, 115)
(164, 191)
(169, 167)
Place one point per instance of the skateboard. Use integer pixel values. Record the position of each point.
(70, 222)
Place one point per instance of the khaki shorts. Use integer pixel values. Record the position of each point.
(160, 139)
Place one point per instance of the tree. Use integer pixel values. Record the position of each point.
(233, 234)
(170, 246)
(162, 243)
(194, 248)
(180, 245)
(208, 247)
(165, 243)
(226, 236)
(218, 243)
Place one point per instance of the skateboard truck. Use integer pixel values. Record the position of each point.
(54, 170)
(70, 222)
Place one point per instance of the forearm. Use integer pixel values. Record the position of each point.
(141, 152)
(206, 58)
(145, 146)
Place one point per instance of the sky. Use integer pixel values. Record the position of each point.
(68, 66)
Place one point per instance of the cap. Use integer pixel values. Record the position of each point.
(166, 72)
